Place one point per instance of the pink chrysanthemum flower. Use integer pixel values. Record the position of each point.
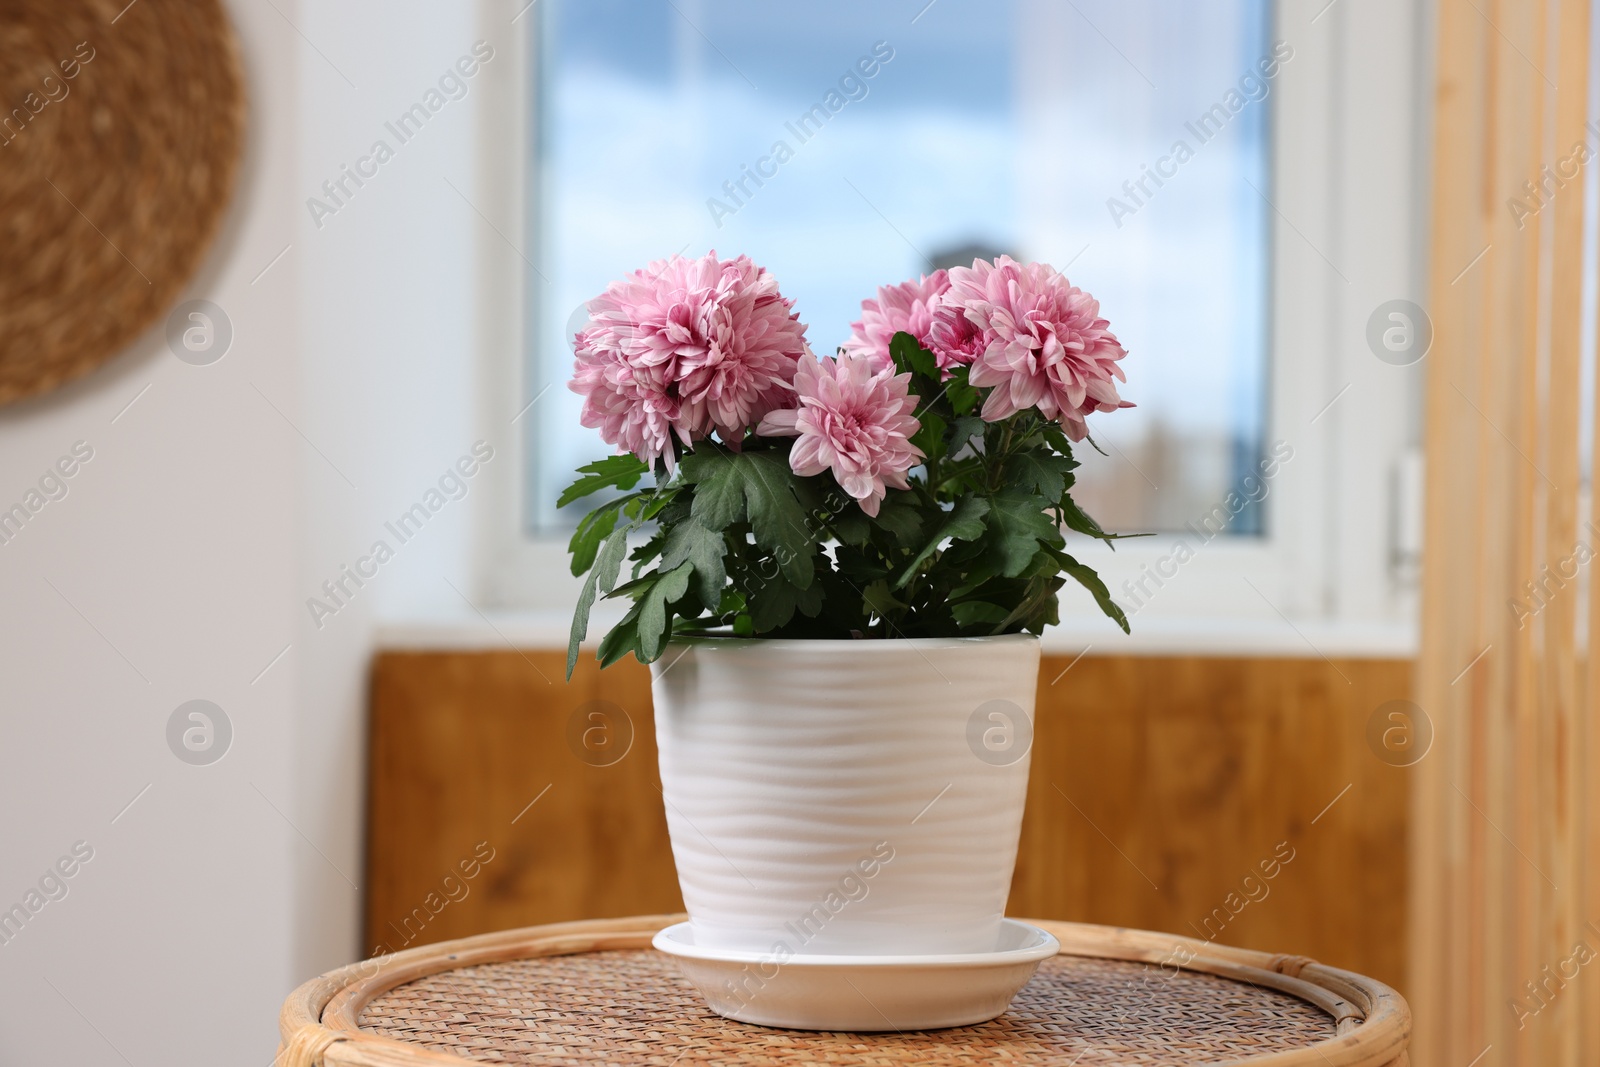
(855, 419)
(905, 307)
(632, 409)
(954, 340)
(685, 347)
(1043, 342)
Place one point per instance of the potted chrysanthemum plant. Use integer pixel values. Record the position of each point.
(840, 567)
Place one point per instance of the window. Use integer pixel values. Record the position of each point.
(1234, 182)
(832, 144)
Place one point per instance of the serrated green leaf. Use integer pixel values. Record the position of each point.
(634, 589)
(652, 608)
(1017, 527)
(774, 602)
(646, 552)
(718, 488)
(601, 580)
(776, 518)
(643, 629)
(880, 601)
(963, 397)
(1044, 472)
(1057, 439)
(911, 358)
(1043, 565)
(592, 531)
(964, 522)
(966, 428)
(732, 487)
(1078, 519)
(1086, 577)
(857, 566)
(620, 640)
(1039, 595)
(732, 602)
(961, 556)
(972, 579)
(900, 518)
(690, 541)
(650, 504)
(622, 471)
(853, 527)
(930, 436)
(978, 612)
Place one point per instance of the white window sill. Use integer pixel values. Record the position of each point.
(1221, 637)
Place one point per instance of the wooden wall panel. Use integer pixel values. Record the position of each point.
(460, 745)
(1158, 785)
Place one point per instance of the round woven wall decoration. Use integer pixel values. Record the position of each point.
(120, 131)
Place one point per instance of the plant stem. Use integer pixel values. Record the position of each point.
(999, 459)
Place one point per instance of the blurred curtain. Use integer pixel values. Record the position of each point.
(1506, 820)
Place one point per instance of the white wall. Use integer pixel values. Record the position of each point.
(186, 549)
(391, 383)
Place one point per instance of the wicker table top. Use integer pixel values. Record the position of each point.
(594, 992)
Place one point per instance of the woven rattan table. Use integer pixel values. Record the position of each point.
(595, 992)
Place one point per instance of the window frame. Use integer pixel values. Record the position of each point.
(1348, 176)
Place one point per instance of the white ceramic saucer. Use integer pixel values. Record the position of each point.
(862, 992)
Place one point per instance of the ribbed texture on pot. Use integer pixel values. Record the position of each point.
(832, 796)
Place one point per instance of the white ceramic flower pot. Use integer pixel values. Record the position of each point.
(846, 797)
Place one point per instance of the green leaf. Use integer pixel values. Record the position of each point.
(1057, 439)
(646, 552)
(759, 487)
(853, 526)
(648, 504)
(690, 541)
(774, 602)
(652, 608)
(1047, 563)
(592, 531)
(1037, 606)
(732, 602)
(643, 629)
(961, 557)
(620, 640)
(858, 566)
(601, 579)
(1017, 526)
(963, 397)
(1044, 472)
(930, 436)
(972, 578)
(622, 471)
(1086, 577)
(718, 488)
(910, 357)
(977, 612)
(966, 428)
(964, 522)
(1078, 519)
(880, 601)
(776, 518)
(635, 589)
(900, 518)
